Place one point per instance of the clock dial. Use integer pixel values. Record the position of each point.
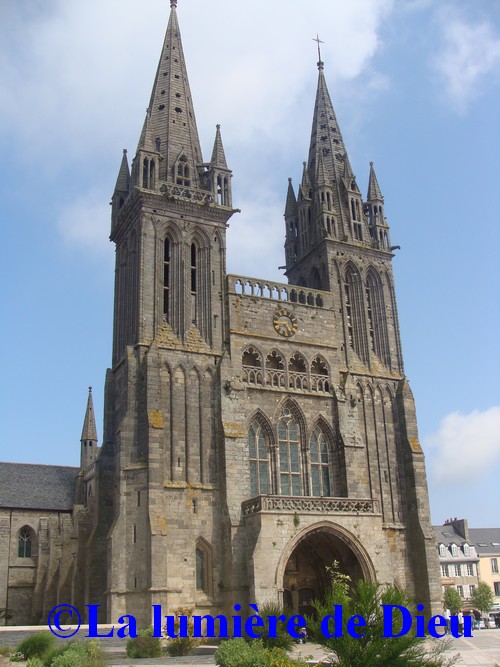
(285, 323)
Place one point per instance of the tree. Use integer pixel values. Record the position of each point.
(482, 598)
(452, 599)
(372, 646)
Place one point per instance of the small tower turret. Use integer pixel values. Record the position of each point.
(379, 229)
(219, 175)
(122, 188)
(88, 440)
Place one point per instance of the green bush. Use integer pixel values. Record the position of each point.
(241, 653)
(56, 651)
(144, 645)
(34, 662)
(182, 645)
(373, 648)
(80, 654)
(36, 645)
(283, 639)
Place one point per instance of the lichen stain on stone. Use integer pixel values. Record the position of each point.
(415, 445)
(155, 419)
(234, 430)
(391, 538)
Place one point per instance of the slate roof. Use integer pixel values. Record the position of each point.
(486, 540)
(448, 535)
(44, 487)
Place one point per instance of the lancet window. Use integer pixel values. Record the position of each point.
(258, 454)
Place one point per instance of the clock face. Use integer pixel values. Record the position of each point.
(285, 322)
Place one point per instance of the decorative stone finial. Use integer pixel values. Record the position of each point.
(173, 4)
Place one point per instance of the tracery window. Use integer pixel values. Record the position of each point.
(252, 366)
(290, 469)
(320, 464)
(25, 542)
(319, 375)
(275, 370)
(166, 280)
(258, 455)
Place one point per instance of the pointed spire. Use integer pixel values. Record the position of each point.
(374, 191)
(218, 156)
(123, 180)
(291, 201)
(321, 175)
(306, 182)
(326, 137)
(170, 126)
(89, 431)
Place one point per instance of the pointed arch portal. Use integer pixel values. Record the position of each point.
(303, 572)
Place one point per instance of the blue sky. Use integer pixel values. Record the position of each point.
(416, 89)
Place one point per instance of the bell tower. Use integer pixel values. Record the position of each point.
(337, 241)
(169, 219)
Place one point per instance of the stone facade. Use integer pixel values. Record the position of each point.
(254, 432)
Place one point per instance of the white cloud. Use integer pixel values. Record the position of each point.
(77, 78)
(469, 59)
(465, 447)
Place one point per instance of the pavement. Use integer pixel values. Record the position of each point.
(481, 650)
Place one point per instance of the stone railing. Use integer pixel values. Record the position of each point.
(308, 505)
(265, 289)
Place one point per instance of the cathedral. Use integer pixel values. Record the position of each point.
(254, 431)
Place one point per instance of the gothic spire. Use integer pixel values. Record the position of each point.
(218, 156)
(374, 192)
(325, 134)
(170, 125)
(291, 201)
(89, 431)
(123, 180)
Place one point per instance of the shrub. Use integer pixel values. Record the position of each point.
(34, 662)
(6, 650)
(182, 645)
(283, 639)
(241, 653)
(80, 654)
(372, 648)
(36, 645)
(144, 645)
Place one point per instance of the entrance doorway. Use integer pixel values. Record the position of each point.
(306, 576)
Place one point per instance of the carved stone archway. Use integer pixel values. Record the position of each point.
(303, 574)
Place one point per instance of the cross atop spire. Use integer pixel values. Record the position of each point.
(319, 41)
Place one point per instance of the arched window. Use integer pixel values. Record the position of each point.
(203, 566)
(166, 280)
(354, 312)
(25, 542)
(200, 570)
(319, 375)
(442, 551)
(377, 321)
(297, 372)
(193, 281)
(251, 362)
(320, 464)
(275, 370)
(258, 456)
(290, 469)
